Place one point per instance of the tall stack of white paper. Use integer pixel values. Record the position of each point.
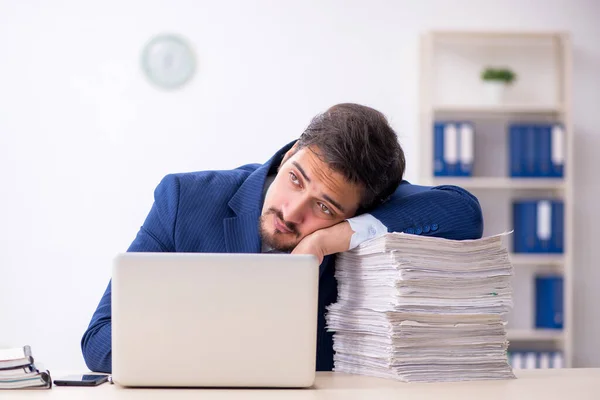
(426, 309)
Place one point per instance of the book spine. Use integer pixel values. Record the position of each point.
(557, 241)
(544, 360)
(530, 226)
(544, 133)
(518, 227)
(467, 141)
(558, 150)
(515, 161)
(557, 360)
(517, 360)
(451, 148)
(531, 169)
(544, 226)
(549, 302)
(531, 360)
(439, 164)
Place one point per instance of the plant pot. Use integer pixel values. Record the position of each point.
(493, 92)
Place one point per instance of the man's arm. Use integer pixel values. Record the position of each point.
(156, 235)
(442, 211)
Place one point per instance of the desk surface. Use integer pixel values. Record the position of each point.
(579, 384)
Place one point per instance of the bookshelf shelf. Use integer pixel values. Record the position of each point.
(451, 92)
(498, 109)
(534, 260)
(502, 183)
(522, 335)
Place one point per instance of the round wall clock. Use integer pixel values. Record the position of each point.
(168, 61)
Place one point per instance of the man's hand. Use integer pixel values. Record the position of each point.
(324, 242)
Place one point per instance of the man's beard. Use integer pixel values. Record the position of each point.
(273, 240)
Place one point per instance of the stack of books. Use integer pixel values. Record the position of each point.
(18, 371)
(423, 309)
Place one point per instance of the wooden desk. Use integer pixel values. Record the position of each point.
(572, 384)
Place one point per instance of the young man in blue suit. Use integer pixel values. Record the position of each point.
(338, 185)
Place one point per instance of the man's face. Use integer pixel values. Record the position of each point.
(305, 196)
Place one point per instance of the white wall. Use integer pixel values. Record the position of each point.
(84, 139)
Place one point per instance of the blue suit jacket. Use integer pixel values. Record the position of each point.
(218, 211)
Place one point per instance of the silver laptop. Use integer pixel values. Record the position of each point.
(218, 320)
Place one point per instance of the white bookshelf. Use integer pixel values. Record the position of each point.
(450, 88)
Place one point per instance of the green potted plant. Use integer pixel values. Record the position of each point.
(495, 81)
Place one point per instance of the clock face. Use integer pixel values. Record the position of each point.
(168, 61)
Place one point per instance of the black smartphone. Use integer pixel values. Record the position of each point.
(81, 380)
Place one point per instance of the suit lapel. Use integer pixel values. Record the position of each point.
(241, 231)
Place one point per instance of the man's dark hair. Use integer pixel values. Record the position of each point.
(358, 142)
